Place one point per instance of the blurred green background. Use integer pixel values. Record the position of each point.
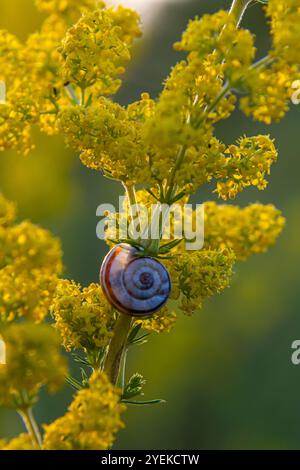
(226, 373)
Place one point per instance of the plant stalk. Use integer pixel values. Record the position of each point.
(31, 426)
(238, 9)
(117, 347)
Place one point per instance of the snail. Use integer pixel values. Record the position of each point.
(135, 285)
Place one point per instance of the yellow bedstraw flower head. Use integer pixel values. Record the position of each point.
(91, 421)
(245, 164)
(129, 22)
(219, 34)
(269, 92)
(43, 63)
(177, 120)
(197, 275)
(285, 20)
(245, 231)
(83, 317)
(96, 48)
(21, 442)
(108, 137)
(203, 34)
(25, 294)
(32, 360)
(30, 261)
(20, 109)
(30, 247)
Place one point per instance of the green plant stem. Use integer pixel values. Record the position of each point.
(238, 9)
(117, 346)
(122, 374)
(264, 62)
(31, 426)
(82, 98)
(72, 94)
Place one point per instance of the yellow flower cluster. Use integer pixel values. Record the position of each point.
(269, 84)
(91, 421)
(30, 261)
(194, 100)
(20, 110)
(197, 275)
(21, 442)
(285, 19)
(245, 164)
(244, 231)
(269, 91)
(108, 137)
(160, 322)
(83, 318)
(233, 168)
(33, 84)
(189, 91)
(30, 247)
(67, 6)
(43, 68)
(96, 48)
(219, 34)
(25, 294)
(32, 360)
(203, 35)
(92, 54)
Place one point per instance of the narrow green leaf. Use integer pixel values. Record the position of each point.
(143, 403)
(152, 194)
(134, 331)
(170, 245)
(140, 339)
(73, 382)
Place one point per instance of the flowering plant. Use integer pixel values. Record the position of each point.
(62, 80)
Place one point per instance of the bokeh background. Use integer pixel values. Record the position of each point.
(226, 373)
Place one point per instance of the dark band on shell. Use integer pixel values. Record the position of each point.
(133, 284)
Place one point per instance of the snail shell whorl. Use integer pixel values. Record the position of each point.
(135, 285)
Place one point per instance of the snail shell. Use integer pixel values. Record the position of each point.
(134, 285)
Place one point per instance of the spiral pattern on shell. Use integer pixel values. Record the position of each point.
(135, 285)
